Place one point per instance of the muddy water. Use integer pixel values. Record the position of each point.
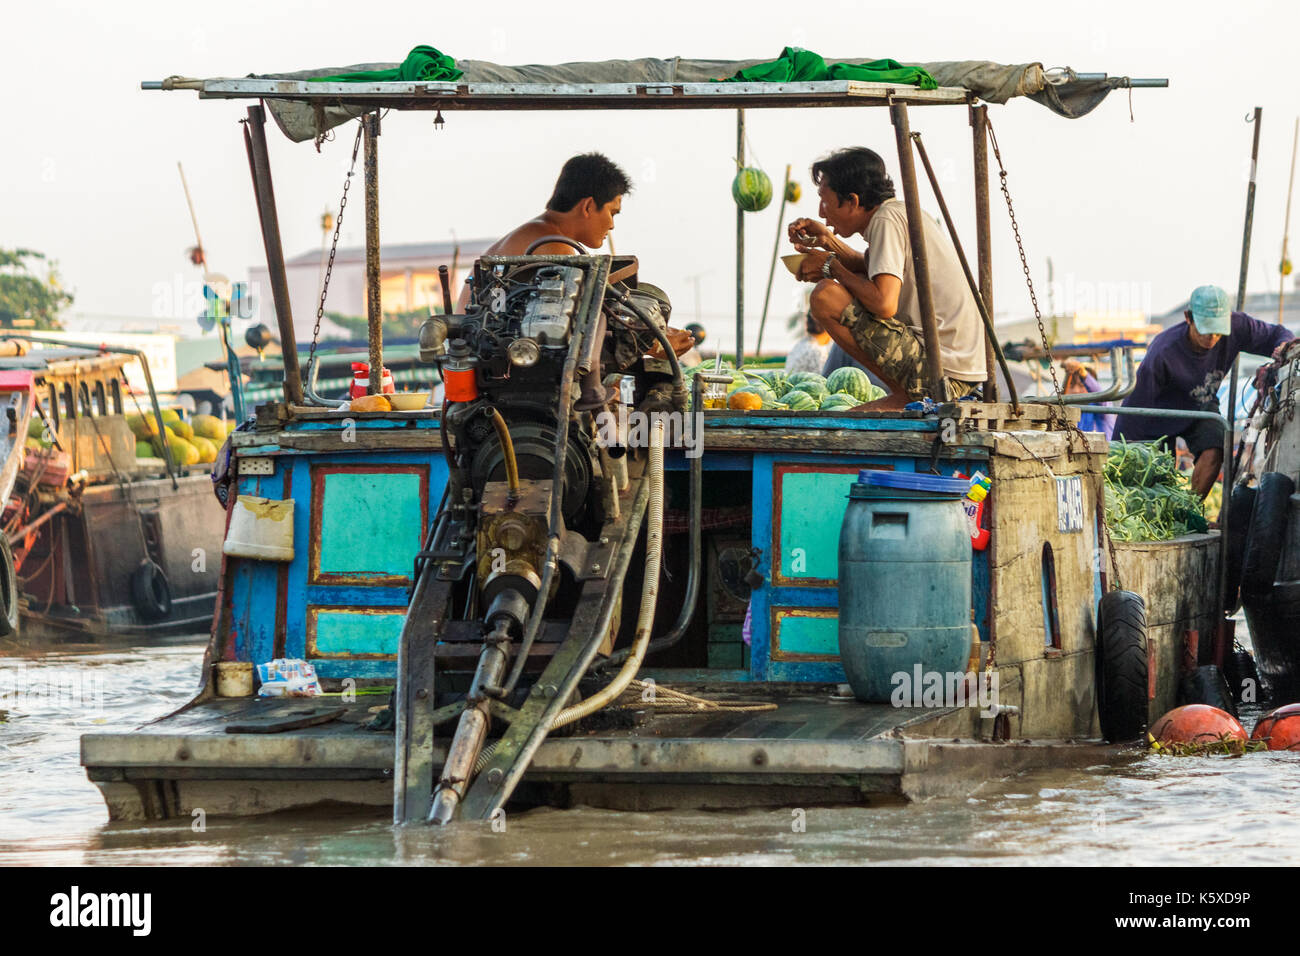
(1139, 810)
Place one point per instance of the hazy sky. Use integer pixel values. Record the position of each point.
(1147, 209)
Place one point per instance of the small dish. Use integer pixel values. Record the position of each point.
(408, 401)
(794, 261)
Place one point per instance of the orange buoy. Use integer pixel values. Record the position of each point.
(1280, 727)
(1197, 724)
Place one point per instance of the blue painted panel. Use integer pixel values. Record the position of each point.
(254, 585)
(807, 634)
(371, 523)
(348, 633)
(812, 508)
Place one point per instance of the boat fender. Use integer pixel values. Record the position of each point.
(1207, 685)
(1197, 724)
(1121, 665)
(150, 591)
(1268, 523)
(1280, 727)
(8, 590)
(1240, 508)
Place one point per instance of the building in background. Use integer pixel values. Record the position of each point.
(408, 281)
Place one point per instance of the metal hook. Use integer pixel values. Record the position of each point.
(1250, 117)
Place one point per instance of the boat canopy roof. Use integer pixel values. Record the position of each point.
(306, 110)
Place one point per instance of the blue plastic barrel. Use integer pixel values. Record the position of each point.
(905, 584)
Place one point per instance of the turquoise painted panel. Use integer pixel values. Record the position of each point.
(370, 524)
(809, 635)
(347, 633)
(812, 509)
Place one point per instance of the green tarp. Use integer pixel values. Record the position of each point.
(422, 63)
(795, 65)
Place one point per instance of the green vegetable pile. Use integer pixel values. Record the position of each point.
(846, 388)
(1147, 497)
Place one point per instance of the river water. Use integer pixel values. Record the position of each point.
(1140, 809)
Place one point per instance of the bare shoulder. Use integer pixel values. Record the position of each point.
(517, 241)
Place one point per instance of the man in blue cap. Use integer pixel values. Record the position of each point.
(1183, 367)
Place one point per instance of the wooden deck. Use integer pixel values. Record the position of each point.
(811, 749)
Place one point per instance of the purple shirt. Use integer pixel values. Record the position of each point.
(1176, 374)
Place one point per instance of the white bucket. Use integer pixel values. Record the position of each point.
(260, 528)
(234, 679)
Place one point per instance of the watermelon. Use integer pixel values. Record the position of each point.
(814, 389)
(799, 401)
(800, 377)
(853, 381)
(839, 403)
(751, 189)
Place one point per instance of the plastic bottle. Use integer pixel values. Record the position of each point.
(973, 504)
(361, 381)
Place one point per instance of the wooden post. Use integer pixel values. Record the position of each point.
(771, 271)
(979, 119)
(260, 164)
(920, 262)
(740, 246)
(374, 312)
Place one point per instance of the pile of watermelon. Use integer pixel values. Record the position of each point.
(844, 389)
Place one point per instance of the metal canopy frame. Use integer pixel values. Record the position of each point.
(404, 95)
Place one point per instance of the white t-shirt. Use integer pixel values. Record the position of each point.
(961, 331)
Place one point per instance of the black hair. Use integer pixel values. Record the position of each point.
(591, 174)
(855, 170)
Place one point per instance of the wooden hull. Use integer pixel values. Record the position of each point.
(77, 572)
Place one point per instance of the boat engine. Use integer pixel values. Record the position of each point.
(534, 372)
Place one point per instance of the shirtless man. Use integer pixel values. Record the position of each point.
(587, 197)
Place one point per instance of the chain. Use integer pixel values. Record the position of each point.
(1059, 418)
(329, 266)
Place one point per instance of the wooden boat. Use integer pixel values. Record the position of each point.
(388, 584)
(105, 545)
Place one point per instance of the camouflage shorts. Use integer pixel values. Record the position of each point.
(898, 351)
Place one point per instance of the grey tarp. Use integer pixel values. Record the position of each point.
(993, 82)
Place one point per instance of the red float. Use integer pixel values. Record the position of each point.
(1280, 727)
(1197, 724)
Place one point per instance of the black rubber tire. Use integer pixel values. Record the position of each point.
(1207, 685)
(1237, 670)
(1240, 509)
(150, 591)
(1121, 659)
(8, 590)
(1267, 532)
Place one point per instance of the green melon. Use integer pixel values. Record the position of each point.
(751, 189)
(799, 401)
(798, 378)
(815, 389)
(839, 403)
(853, 381)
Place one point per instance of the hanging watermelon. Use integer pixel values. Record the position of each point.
(751, 189)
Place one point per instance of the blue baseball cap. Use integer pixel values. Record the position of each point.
(1209, 308)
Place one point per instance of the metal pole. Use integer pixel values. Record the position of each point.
(1286, 227)
(1241, 289)
(771, 271)
(979, 121)
(965, 268)
(260, 164)
(920, 262)
(740, 246)
(374, 312)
